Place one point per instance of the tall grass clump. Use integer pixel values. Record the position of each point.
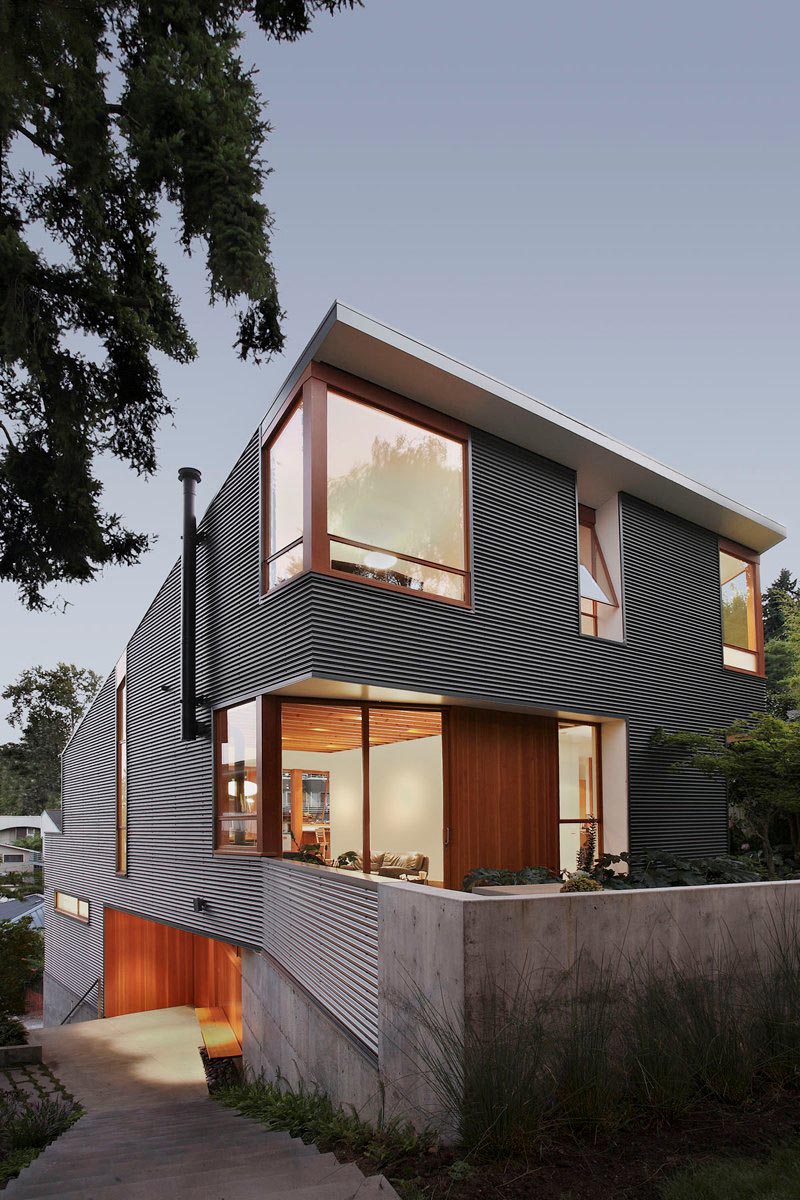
(619, 1041)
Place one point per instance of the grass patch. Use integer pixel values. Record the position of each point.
(307, 1113)
(28, 1124)
(776, 1177)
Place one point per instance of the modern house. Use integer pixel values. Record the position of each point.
(14, 858)
(15, 828)
(428, 624)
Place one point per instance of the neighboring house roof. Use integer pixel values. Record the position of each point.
(354, 342)
(18, 849)
(31, 906)
(22, 821)
(51, 820)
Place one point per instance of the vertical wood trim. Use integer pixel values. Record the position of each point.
(366, 849)
(296, 810)
(315, 476)
(270, 806)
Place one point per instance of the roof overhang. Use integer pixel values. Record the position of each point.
(356, 343)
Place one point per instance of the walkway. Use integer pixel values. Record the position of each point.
(151, 1132)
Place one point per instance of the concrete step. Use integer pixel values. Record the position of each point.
(338, 1182)
(98, 1162)
(226, 1182)
(162, 1140)
(159, 1114)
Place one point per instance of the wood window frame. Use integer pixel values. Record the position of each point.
(753, 561)
(256, 849)
(312, 391)
(122, 777)
(79, 900)
(597, 726)
(275, 430)
(587, 519)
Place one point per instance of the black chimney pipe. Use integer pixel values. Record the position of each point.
(189, 477)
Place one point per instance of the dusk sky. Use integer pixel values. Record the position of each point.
(596, 203)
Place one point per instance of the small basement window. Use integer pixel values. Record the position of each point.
(72, 906)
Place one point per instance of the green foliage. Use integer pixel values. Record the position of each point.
(45, 705)
(347, 859)
(581, 883)
(759, 758)
(30, 843)
(774, 603)
(308, 1114)
(775, 1177)
(15, 885)
(21, 962)
(32, 1123)
(309, 853)
(496, 877)
(12, 1031)
(781, 605)
(594, 1045)
(107, 111)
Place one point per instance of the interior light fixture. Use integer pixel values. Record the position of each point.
(250, 788)
(379, 560)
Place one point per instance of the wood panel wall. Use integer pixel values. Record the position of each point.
(503, 792)
(149, 965)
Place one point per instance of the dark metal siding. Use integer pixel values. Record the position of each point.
(519, 645)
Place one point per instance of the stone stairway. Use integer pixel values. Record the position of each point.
(189, 1150)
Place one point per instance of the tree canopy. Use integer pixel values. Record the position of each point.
(759, 757)
(45, 705)
(781, 604)
(108, 110)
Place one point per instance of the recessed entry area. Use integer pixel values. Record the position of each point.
(362, 775)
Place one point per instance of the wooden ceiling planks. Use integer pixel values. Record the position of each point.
(329, 728)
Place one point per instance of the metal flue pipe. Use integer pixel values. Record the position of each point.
(189, 477)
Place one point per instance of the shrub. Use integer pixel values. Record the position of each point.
(609, 1043)
(12, 1031)
(34, 1123)
(579, 882)
(496, 877)
(21, 962)
(309, 1114)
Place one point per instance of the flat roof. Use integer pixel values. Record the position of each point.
(354, 342)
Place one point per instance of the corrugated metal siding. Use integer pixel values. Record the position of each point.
(324, 931)
(519, 645)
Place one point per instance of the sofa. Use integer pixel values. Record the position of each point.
(391, 864)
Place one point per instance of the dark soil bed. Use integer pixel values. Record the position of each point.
(629, 1163)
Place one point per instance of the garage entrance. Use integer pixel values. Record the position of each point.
(149, 965)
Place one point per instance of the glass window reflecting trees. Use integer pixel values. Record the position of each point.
(237, 774)
(369, 487)
(742, 632)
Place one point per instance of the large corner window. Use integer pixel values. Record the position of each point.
(122, 780)
(599, 604)
(580, 800)
(742, 636)
(283, 470)
(395, 493)
(236, 774)
(384, 484)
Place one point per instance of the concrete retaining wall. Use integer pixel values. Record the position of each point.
(449, 947)
(58, 1000)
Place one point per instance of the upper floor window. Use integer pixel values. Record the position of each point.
(367, 486)
(284, 500)
(742, 633)
(236, 774)
(599, 604)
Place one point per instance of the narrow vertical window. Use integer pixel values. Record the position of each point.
(598, 598)
(122, 780)
(742, 634)
(580, 801)
(283, 501)
(236, 769)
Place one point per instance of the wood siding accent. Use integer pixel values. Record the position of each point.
(150, 965)
(503, 783)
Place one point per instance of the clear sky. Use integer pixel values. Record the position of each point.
(597, 203)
